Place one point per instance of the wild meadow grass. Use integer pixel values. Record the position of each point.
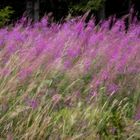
(70, 81)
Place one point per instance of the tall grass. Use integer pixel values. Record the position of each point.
(70, 81)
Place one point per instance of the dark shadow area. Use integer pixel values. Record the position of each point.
(137, 8)
(60, 8)
(117, 7)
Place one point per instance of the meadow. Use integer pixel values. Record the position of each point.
(70, 81)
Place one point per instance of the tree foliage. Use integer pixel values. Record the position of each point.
(85, 5)
(5, 15)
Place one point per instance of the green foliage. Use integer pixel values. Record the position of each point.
(85, 5)
(5, 15)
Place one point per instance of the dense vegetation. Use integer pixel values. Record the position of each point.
(61, 8)
(5, 15)
(84, 5)
(70, 81)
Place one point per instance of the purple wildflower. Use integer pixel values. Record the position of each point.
(112, 88)
(33, 103)
(56, 98)
(24, 73)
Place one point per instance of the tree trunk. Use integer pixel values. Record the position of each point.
(29, 9)
(36, 10)
(101, 13)
(52, 4)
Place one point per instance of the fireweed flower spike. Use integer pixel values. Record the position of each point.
(88, 76)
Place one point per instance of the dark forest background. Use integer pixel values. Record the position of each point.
(35, 9)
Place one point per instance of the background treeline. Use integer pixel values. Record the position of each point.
(61, 8)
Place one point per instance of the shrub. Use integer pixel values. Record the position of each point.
(5, 15)
(85, 5)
